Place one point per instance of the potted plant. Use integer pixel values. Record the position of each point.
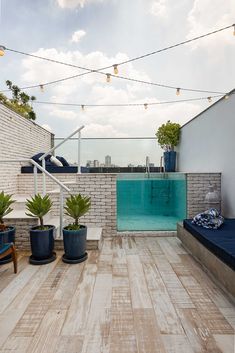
(74, 235)
(7, 233)
(41, 236)
(168, 136)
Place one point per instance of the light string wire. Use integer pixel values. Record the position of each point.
(127, 104)
(88, 71)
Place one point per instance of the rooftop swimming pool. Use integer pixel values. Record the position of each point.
(150, 202)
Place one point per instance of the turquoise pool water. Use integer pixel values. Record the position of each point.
(157, 202)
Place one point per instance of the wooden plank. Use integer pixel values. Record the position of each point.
(76, 319)
(15, 310)
(30, 321)
(139, 291)
(9, 293)
(47, 336)
(147, 332)
(64, 293)
(177, 344)
(16, 345)
(177, 245)
(69, 344)
(169, 251)
(199, 335)
(226, 343)
(7, 274)
(166, 315)
(98, 323)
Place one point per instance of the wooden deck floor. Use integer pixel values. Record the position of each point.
(138, 295)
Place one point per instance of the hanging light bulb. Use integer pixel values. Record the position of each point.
(178, 91)
(83, 107)
(234, 29)
(226, 96)
(108, 77)
(209, 99)
(145, 106)
(2, 50)
(115, 69)
(41, 88)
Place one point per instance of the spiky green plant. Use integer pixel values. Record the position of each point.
(76, 207)
(38, 207)
(5, 203)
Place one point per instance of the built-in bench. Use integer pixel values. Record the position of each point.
(215, 249)
(51, 169)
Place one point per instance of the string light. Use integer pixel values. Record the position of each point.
(146, 105)
(115, 69)
(2, 50)
(83, 107)
(178, 91)
(42, 88)
(108, 77)
(234, 29)
(209, 99)
(226, 96)
(121, 63)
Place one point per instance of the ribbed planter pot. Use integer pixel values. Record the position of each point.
(75, 245)
(8, 236)
(42, 245)
(169, 161)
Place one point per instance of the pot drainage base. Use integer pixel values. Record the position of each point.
(75, 261)
(34, 261)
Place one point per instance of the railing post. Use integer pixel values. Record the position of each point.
(61, 210)
(79, 152)
(44, 177)
(35, 173)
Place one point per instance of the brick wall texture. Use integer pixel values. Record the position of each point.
(197, 188)
(19, 138)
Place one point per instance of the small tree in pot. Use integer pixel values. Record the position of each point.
(41, 236)
(7, 233)
(168, 136)
(74, 235)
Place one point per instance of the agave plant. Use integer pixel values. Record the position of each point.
(76, 207)
(5, 203)
(38, 207)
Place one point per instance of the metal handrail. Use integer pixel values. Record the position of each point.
(45, 172)
(42, 158)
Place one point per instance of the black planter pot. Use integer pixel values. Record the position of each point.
(42, 245)
(169, 161)
(74, 245)
(8, 236)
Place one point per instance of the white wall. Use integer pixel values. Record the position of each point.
(19, 138)
(208, 145)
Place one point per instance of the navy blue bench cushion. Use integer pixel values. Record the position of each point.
(51, 169)
(221, 242)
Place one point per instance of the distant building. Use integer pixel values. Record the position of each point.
(107, 161)
(96, 163)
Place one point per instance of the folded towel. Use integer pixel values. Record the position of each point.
(210, 219)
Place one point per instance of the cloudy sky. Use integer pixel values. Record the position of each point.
(97, 33)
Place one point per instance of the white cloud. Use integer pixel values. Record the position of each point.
(47, 127)
(72, 4)
(159, 8)
(63, 114)
(93, 89)
(206, 16)
(77, 36)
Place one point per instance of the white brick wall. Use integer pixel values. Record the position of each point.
(19, 138)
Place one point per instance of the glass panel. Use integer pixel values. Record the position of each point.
(123, 152)
(151, 203)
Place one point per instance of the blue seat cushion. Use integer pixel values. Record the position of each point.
(50, 169)
(63, 161)
(5, 247)
(38, 155)
(221, 242)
